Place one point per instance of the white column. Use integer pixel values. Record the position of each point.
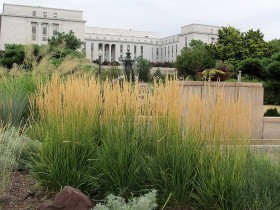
(110, 47)
(117, 52)
(95, 49)
(103, 51)
(88, 50)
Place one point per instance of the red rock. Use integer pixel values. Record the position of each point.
(68, 199)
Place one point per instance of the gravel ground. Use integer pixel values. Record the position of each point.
(25, 194)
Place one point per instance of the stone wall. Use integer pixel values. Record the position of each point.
(251, 92)
(271, 128)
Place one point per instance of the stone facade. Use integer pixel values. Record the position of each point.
(34, 25)
(22, 24)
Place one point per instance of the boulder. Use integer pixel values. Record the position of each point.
(68, 199)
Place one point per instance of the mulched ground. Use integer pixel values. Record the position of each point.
(25, 194)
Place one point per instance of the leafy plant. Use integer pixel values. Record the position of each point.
(145, 202)
(210, 73)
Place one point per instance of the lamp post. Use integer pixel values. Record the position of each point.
(128, 61)
(100, 53)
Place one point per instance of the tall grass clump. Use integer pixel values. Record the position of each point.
(68, 113)
(222, 124)
(125, 139)
(14, 102)
(11, 145)
(261, 190)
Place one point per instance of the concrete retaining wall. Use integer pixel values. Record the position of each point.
(252, 92)
(271, 128)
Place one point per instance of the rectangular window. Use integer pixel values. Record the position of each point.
(176, 49)
(168, 51)
(186, 41)
(172, 50)
(45, 14)
(212, 40)
(55, 30)
(165, 51)
(211, 31)
(135, 50)
(55, 15)
(91, 50)
(161, 52)
(142, 51)
(157, 52)
(121, 48)
(34, 31)
(34, 13)
(44, 32)
(127, 47)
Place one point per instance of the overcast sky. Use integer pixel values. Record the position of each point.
(167, 16)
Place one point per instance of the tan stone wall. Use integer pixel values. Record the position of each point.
(252, 92)
(271, 127)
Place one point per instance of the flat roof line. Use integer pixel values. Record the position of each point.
(41, 7)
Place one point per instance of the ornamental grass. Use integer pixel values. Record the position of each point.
(126, 139)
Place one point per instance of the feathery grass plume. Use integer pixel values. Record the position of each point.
(44, 69)
(68, 112)
(29, 57)
(120, 138)
(223, 124)
(3, 71)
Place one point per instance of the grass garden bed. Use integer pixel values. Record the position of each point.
(91, 137)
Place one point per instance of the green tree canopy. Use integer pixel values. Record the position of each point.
(143, 68)
(64, 45)
(234, 46)
(275, 45)
(14, 53)
(193, 59)
(68, 41)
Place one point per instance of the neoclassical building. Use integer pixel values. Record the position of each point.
(22, 24)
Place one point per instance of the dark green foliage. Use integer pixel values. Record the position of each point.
(68, 41)
(275, 45)
(272, 112)
(253, 67)
(158, 74)
(163, 64)
(272, 92)
(65, 45)
(193, 59)
(224, 66)
(255, 45)
(234, 46)
(143, 68)
(276, 56)
(14, 53)
(274, 71)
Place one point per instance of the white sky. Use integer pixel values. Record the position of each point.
(166, 17)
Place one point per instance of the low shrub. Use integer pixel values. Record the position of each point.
(272, 112)
(145, 202)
